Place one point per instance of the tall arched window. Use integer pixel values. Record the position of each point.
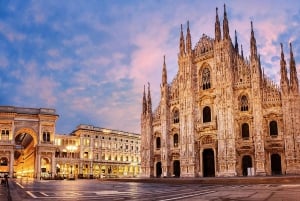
(244, 103)
(273, 128)
(245, 130)
(158, 143)
(175, 140)
(176, 117)
(206, 114)
(205, 78)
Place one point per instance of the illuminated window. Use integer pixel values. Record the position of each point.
(5, 134)
(3, 162)
(86, 155)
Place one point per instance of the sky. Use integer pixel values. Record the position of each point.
(90, 60)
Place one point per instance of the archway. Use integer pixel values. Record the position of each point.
(4, 166)
(276, 164)
(246, 163)
(24, 155)
(208, 161)
(176, 168)
(45, 168)
(158, 169)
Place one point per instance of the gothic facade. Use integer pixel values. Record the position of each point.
(221, 115)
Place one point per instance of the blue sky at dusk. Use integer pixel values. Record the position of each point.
(90, 60)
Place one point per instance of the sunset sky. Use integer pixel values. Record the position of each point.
(90, 60)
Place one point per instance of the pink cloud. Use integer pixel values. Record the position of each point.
(10, 34)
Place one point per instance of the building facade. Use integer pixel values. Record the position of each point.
(30, 147)
(221, 115)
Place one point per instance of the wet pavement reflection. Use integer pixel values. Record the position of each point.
(83, 190)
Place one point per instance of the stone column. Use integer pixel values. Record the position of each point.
(91, 168)
(11, 164)
(53, 163)
(80, 167)
(38, 165)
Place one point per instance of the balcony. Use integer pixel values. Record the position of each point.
(47, 142)
(157, 152)
(175, 151)
(206, 126)
(244, 145)
(274, 142)
(4, 142)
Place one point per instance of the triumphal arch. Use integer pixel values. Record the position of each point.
(27, 141)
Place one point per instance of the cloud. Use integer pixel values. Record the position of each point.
(4, 62)
(91, 61)
(60, 64)
(32, 85)
(53, 53)
(12, 35)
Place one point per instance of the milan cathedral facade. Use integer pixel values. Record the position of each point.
(221, 115)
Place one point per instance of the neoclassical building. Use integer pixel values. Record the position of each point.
(221, 115)
(30, 147)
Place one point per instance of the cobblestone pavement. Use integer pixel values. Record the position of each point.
(165, 189)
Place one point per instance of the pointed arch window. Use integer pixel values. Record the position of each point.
(245, 131)
(273, 128)
(244, 103)
(176, 117)
(206, 114)
(175, 140)
(158, 143)
(206, 79)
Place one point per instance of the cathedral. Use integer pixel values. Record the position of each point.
(221, 116)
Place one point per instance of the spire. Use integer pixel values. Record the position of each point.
(225, 25)
(294, 84)
(144, 102)
(242, 53)
(236, 46)
(181, 45)
(284, 82)
(217, 27)
(259, 65)
(188, 39)
(149, 103)
(164, 73)
(253, 48)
